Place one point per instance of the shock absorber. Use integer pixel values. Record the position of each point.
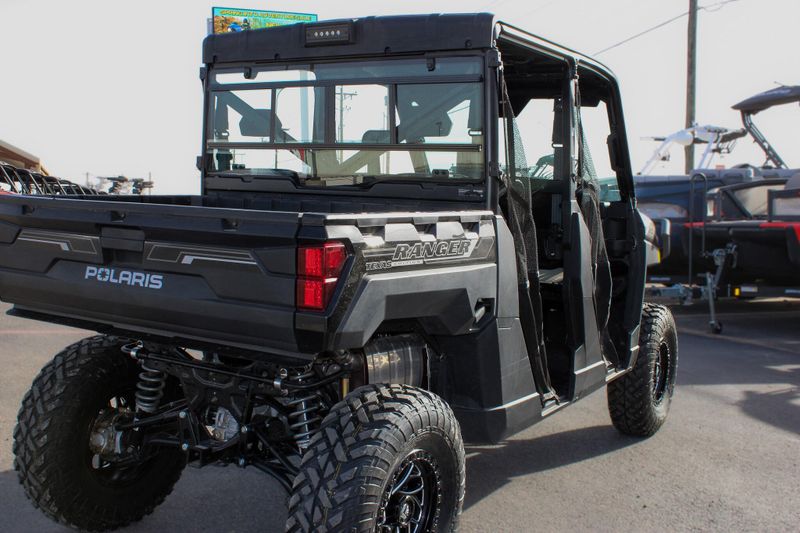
(150, 388)
(304, 418)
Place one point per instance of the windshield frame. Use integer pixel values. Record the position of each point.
(479, 78)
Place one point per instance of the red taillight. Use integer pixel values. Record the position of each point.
(318, 269)
(321, 261)
(314, 293)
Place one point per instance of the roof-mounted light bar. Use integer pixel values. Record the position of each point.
(330, 33)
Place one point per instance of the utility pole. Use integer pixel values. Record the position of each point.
(342, 96)
(691, 79)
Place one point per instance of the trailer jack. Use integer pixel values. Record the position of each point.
(686, 293)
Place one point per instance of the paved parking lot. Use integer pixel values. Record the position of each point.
(728, 458)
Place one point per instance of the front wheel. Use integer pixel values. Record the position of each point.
(639, 401)
(71, 461)
(387, 458)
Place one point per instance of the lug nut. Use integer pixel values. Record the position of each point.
(185, 446)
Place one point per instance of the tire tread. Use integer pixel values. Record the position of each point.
(630, 402)
(45, 415)
(342, 473)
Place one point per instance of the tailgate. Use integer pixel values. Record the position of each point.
(222, 276)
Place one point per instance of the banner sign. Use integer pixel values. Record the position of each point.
(226, 20)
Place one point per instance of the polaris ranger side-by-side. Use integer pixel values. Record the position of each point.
(373, 270)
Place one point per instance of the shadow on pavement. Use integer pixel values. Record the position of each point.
(492, 467)
(211, 499)
(780, 409)
(231, 500)
(769, 379)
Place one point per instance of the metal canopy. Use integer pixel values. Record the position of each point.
(785, 94)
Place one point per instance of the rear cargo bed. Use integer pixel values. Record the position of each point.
(164, 266)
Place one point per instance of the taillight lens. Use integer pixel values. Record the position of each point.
(318, 269)
(314, 293)
(321, 261)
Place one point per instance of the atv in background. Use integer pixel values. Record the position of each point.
(124, 185)
(15, 180)
(358, 290)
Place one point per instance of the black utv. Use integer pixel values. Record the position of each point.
(373, 274)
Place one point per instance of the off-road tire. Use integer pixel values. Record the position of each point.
(350, 462)
(51, 442)
(637, 406)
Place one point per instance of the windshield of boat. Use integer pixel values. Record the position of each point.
(755, 200)
(349, 123)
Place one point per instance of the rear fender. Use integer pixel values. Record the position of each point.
(440, 270)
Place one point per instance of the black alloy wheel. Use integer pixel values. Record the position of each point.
(387, 458)
(412, 499)
(661, 372)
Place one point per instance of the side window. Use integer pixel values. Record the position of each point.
(596, 161)
(535, 125)
(535, 145)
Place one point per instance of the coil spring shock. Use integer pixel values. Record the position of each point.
(304, 420)
(150, 388)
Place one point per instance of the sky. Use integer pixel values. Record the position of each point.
(112, 87)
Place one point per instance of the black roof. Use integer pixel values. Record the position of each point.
(373, 36)
(785, 94)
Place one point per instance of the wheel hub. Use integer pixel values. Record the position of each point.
(104, 440)
(405, 513)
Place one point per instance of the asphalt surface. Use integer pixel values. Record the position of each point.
(726, 460)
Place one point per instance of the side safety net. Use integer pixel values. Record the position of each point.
(520, 220)
(588, 196)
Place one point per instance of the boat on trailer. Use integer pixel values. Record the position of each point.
(734, 232)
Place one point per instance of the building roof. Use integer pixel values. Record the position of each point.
(20, 158)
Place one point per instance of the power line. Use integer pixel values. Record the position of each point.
(709, 8)
(645, 32)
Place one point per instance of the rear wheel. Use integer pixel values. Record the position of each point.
(387, 458)
(639, 401)
(70, 460)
